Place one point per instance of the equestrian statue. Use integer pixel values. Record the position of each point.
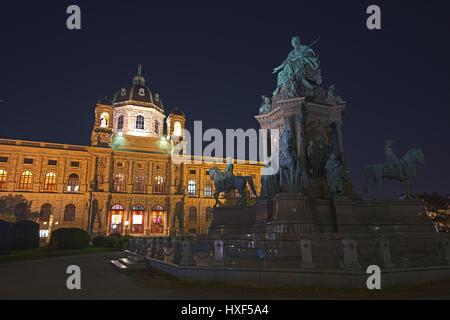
(227, 181)
(395, 168)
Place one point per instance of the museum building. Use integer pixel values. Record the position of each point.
(125, 182)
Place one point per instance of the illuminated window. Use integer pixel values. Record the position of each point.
(159, 184)
(208, 189)
(119, 183)
(237, 194)
(157, 223)
(43, 233)
(139, 183)
(177, 129)
(116, 219)
(137, 219)
(25, 180)
(50, 181)
(69, 213)
(120, 123)
(20, 210)
(140, 122)
(192, 217)
(104, 120)
(252, 195)
(73, 184)
(2, 179)
(46, 210)
(192, 188)
(208, 215)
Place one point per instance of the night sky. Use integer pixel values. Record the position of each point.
(214, 60)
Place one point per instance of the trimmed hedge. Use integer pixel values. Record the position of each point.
(69, 238)
(24, 235)
(100, 241)
(117, 241)
(5, 237)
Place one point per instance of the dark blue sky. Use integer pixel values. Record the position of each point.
(214, 60)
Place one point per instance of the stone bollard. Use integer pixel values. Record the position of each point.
(153, 248)
(159, 249)
(384, 253)
(177, 253)
(349, 248)
(187, 258)
(446, 248)
(307, 259)
(218, 253)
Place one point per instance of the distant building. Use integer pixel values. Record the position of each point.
(124, 182)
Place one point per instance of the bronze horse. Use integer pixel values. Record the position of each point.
(374, 174)
(226, 184)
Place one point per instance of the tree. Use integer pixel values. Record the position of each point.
(8, 206)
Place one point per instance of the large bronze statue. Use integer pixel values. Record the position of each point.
(335, 174)
(400, 169)
(288, 162)
(227, 181)
(301, 69)
(269, 182)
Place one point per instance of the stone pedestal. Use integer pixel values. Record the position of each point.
(232, 220)
(187, 258)
(307, 259)
(350, 255)
(218, 253)
(384, 253)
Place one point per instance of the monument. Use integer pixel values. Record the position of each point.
(311, 196)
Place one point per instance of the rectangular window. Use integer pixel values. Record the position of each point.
(28, 161)
(52, 162)
(3, 159)
(207, 173)
(192, 230)
(192, 172)
(74, 164)
(43, 233)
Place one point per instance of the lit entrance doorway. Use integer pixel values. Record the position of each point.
(157, 220)
(116, 215)
(137, 219)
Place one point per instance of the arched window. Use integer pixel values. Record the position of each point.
(140, 122)
(159, 184)
(208, 189)
(157, 222)
(104, 120)
(73, 184)
(119, 183)
(46, 210)
(116, 215)
(25, 180)
(177, 129)
(192, 217)
(137, 219)
(50, 181)
(156, 127)
(139, 183)
(208, 215)
(20, 211)
(2, 179)
(192, 187)
(69, 213)
(120, 123)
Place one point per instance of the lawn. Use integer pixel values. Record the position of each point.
(39, 253)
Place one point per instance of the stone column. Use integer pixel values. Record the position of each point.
(384, 253)
(188, 253)
(350, 253)
(218, 253)
(307, 259)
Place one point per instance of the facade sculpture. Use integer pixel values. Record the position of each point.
(335, 174)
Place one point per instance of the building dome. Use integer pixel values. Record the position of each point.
(138, 92)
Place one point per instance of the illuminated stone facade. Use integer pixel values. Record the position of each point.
(124, 182)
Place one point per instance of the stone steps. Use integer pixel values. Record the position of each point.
(131, 261)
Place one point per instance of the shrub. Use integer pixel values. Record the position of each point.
(24, 235)
(114, 240)
(100, 241)
(5, 237)
(70, 238)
